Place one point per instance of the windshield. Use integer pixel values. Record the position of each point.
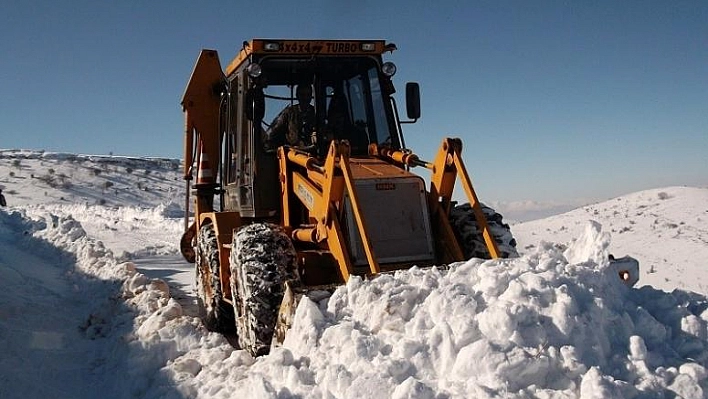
(347, 98)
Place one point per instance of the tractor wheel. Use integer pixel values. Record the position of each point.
(470, 238)
(262, 259)
(219, 314)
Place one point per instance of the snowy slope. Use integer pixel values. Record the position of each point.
(82, 316)
(136, 194)
(32, 177)
(665, 229)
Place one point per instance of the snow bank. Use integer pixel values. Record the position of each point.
(540, 326)
(129, 231)
(141, 328)
(555, 323)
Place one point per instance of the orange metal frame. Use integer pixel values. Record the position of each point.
(321, 189)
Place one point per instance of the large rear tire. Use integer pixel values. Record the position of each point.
(470, 238)
(262, 259)
(219, 314)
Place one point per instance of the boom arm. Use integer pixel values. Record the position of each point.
(200, 105)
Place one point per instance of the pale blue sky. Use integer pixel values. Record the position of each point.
(554, 100)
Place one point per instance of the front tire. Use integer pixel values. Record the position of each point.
(219, 314)
(470, 237)
(262, 259)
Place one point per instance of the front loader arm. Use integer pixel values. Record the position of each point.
(446, 168)
(322, 189)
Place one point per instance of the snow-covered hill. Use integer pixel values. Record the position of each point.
(84, 315)
(32, 177)
(665, 229)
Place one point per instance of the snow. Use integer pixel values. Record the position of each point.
(666, 229)
(96, 301)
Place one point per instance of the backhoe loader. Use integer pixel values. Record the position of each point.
(275, 217)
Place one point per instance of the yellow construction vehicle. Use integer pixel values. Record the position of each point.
(275, 216)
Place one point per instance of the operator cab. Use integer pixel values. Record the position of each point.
(349, 99)
(352, 97)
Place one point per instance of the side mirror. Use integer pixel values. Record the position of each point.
(413, 100)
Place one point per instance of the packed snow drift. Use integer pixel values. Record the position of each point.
(84, 314)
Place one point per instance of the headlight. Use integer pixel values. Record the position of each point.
(271, 46)
(368, 46)
(254, 70)
(388, 69)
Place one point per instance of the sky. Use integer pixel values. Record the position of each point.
(116, 311)
(556, 102)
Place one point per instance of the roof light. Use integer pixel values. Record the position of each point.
(388, 68)
(368, 47)
(254, 70)
(271, 46)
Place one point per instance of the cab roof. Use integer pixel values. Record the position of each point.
(300, 47)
